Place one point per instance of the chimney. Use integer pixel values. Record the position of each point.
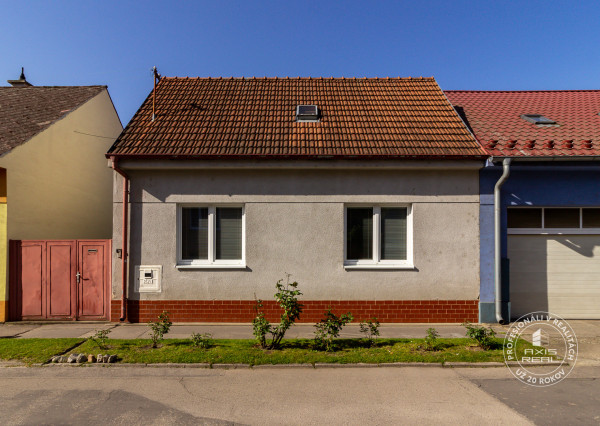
(21, 82)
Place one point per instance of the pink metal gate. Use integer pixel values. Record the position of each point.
(59, 279)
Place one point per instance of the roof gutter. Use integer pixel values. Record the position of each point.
(550, 158)
(497, 242)
(124, 239)
(294, 157)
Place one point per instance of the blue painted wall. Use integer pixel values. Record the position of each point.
(530, 184)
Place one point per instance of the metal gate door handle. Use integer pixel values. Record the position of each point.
(78, 275)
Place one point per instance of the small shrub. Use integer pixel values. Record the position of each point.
(160, 328)
(329, 328)
(287, 298)
(100, 338)
(370, 328)
(483, 336)
(431, 339)
(260, 325)
(203, 341)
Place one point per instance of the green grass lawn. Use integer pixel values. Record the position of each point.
(297, 351)
(34, 350)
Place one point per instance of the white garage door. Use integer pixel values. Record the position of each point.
(555, 273)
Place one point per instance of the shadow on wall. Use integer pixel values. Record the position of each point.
(584, 248)
(162, 184)
(528, 274)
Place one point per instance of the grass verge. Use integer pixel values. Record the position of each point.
(33, 351)
(298, 351)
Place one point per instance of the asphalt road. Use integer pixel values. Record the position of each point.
(144, 395)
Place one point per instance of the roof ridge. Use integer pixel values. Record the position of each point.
(523, 91)
(55, 87)
(297, 78)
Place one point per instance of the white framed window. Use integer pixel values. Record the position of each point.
(211, 236)
(553, 220)
(378, 237)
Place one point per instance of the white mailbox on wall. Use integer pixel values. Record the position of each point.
(148, 278)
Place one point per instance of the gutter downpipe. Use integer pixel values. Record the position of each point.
(124, 254)
(497, 241)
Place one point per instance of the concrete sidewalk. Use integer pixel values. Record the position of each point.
(219, 331)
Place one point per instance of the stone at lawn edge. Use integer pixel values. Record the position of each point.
(72, 358)
(112, 358)
(105, 359)
(99, 358)
(56, 358)
(81, 358)
(91, 358)
(63, 359)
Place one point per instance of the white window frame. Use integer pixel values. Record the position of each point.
(211, 262)
(553, 231)
(376, 262)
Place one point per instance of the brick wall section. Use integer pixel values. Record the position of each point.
(436, 311)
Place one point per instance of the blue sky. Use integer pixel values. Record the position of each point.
(485, 45)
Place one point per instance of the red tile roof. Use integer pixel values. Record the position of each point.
(26, 111)
(495, 118)
(255, 117)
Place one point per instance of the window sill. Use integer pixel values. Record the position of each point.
(388, 267)
(212, 266)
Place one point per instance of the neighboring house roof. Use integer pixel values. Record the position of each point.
(255, 117)
(495, 119)
(26, 111)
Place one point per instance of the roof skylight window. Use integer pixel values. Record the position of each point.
(538, 119)
(307, 113)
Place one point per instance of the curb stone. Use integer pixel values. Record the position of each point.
(473, 364)
(541, 364)
(268, 366)
(230, 366)
(334, 365)
(410, 364)
(9, 364)
(178, 365)
(6, 364)
(116, 364)
(88, 365)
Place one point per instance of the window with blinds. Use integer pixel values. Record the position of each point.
(378, 235)
(211, 235)
(229, 233)
(393, 233)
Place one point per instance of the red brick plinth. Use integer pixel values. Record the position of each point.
(452, 311)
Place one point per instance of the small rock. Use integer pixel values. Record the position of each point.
(112, 358)
(72, 358)
(63, 359)
(99, 358)
(55, 359)
(81, 358)
(91, 358)
(105, 359)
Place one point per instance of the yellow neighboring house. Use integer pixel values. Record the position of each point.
(55, 183)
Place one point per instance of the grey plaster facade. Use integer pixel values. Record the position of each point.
(294, 223)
